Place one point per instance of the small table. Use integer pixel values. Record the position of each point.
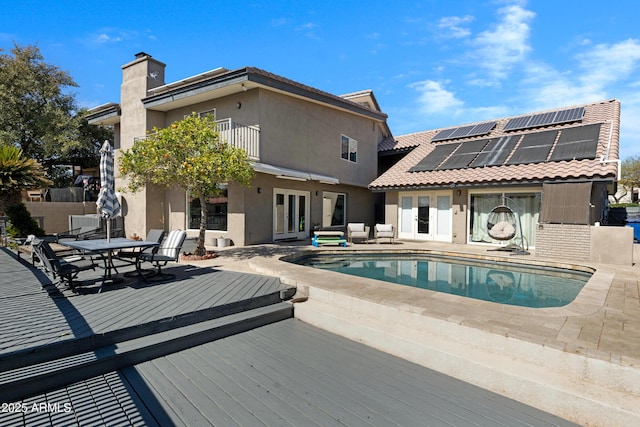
(104, 246)
(328, 238)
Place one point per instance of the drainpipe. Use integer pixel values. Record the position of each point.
(606, 156)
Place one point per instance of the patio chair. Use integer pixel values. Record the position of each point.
(168, 251)
(384, 231)
(357, 230)
(82, 233)
(130, 256)
(57, 267)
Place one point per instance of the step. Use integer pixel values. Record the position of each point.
(27, 381)
(72, 346)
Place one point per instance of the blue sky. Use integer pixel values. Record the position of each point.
(432, 63)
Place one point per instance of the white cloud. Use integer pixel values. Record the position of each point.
(434, 98)
(499, 49)
(608, 63)
(597, 76)
(309, 30)
(111, 36)
(454, 26)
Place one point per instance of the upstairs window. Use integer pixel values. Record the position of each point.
(349, 149)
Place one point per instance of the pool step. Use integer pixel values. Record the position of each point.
(26, 381)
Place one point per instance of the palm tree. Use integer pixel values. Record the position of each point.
(18, 173)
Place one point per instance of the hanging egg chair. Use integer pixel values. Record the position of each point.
(501, 223)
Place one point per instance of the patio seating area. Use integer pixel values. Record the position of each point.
(216, 345)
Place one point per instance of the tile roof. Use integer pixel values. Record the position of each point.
(606, 113)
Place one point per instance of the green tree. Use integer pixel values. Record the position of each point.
(630, 173)
(188, 154)
(37, 114)
(18, 173)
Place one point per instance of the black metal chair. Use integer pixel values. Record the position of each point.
(131, 256)
(168, 251)
(60, 269)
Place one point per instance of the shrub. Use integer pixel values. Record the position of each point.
(21, 222)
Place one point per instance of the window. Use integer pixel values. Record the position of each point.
(349, 149)
(333, 209)
(216, 212)
(208, 112)
(527, 205)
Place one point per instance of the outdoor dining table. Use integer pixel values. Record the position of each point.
(104, 248)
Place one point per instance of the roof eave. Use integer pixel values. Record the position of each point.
(107, 114)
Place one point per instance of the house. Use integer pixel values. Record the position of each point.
(314, 153)
(552, 169)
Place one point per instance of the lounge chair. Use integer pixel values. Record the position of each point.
(168, 251)
(57, 267)
(384, 231)
(357, 230)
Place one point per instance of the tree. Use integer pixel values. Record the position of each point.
(188, 154)
(18, 173)
(630, 173)
(36, 114)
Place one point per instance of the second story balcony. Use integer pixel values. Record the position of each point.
(238, 135)
(241, 136)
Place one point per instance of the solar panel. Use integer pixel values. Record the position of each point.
(570, 115)
(496, 151)
(517, 123)
(443, 134)
(464, 155)
(577, 143)
(434, 158)
(482, 128)
(541, 119)
(464, 131)
(534, 148)
(461, 132)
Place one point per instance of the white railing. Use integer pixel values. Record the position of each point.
(238, 135)
(241, 136)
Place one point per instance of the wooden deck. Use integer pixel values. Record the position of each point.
(211, 347)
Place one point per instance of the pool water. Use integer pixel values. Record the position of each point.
(503, 283)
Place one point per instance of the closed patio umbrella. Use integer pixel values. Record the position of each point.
(108, 204)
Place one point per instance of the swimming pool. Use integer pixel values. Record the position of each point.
(498, 282)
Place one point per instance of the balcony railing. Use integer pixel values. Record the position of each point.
(238, 135)
(241, 136)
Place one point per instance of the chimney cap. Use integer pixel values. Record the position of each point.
(141, 55)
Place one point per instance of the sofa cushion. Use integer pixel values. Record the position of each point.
(358, 226)
(384, 227)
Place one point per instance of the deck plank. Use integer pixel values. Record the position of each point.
(304, 374)
(29, 317)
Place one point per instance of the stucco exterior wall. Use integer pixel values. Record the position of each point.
(142, 207)
(302, 135)
(56, 214)
(459, 221)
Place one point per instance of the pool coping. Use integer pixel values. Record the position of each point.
(589, 300)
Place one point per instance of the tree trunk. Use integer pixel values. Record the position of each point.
(200, 250)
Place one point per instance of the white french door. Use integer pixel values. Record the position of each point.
(290, 213)
(424, 216)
